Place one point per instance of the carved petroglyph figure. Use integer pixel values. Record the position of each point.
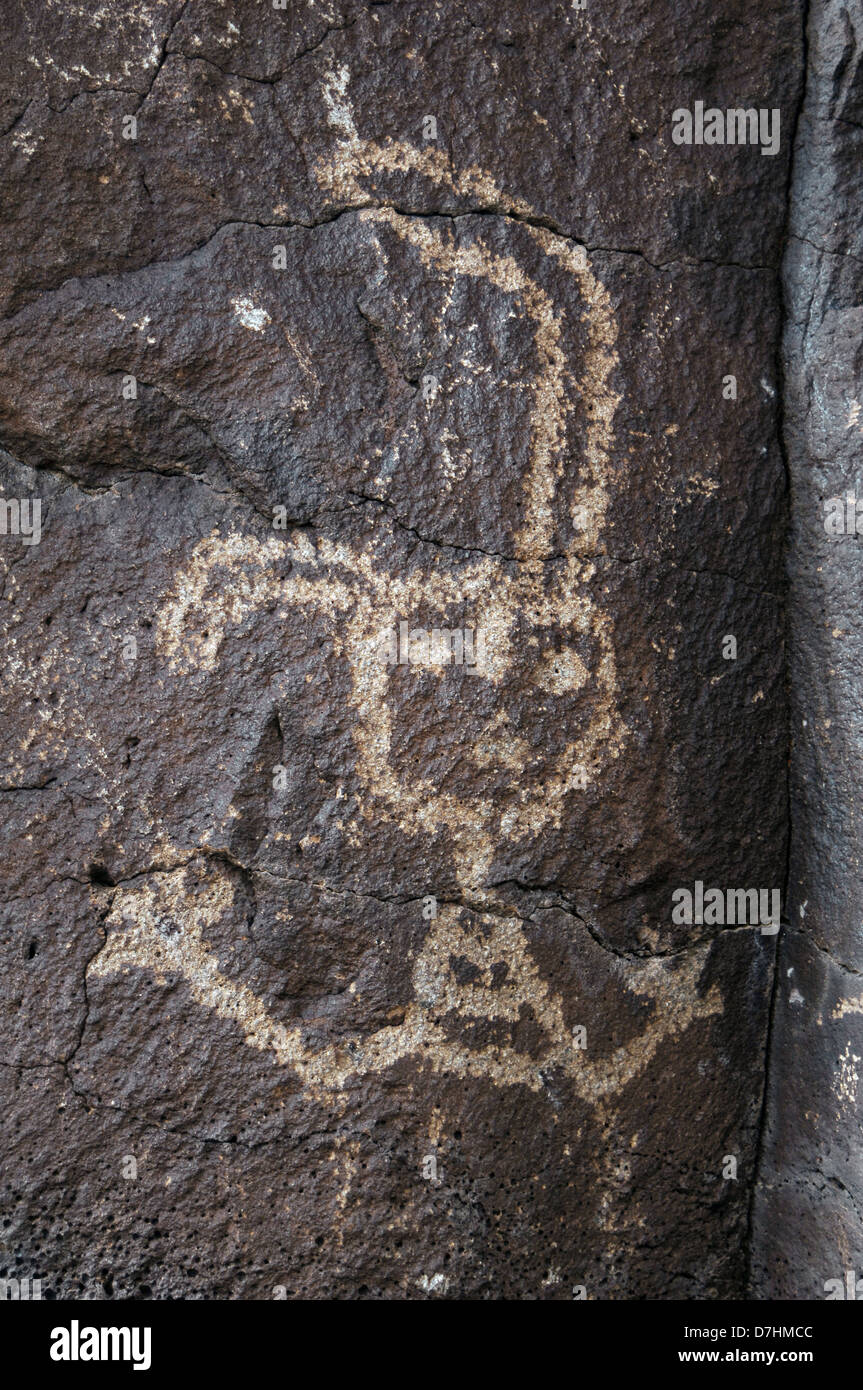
(362, 601)
(138, 939)
(229, 577)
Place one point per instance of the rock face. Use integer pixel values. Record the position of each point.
(327, 973)
(808, 1224)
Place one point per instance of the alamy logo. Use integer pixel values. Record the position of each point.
(440, 646)
(21, 518)
(15, 1290)
(76, 1343)
(843, 516)
(834, 1288)
(737, 126)
(754, 907)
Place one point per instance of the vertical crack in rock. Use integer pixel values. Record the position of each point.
(783, 388)
(807, 1232)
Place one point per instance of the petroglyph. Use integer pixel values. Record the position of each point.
(848, 1006)
(162, 926)
(550, 390)
(230, 578)
(358, 159)
(365, 969)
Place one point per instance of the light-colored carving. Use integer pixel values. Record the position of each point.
(161, 925)
(228, 578)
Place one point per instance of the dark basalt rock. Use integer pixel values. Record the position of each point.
(808, 1225)
(321, 974)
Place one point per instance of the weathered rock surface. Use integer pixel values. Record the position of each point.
(487, 390)
(808, 1222)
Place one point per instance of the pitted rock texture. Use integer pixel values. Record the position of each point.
(809, 1209)
(287, 372)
